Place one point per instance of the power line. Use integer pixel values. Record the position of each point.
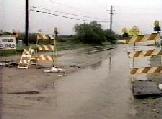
(73, 8)
(53, 14)
(65, 14)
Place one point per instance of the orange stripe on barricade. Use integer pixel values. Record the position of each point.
(141, 39)
(146, 70)
(46, 47)
(45, 58)
(144, 53)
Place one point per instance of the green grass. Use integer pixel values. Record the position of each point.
(6, 53)
(66, 45)
(69, 45)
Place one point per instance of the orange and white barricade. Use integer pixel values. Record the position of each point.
(145, 39)
(46, 47)
(45, 58)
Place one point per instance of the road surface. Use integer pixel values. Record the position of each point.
(99, 91)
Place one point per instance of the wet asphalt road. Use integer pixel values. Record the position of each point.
(101, 91)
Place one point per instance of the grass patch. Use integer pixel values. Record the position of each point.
(64, 45)
(6, 53)
(72, 44)
(69, 45)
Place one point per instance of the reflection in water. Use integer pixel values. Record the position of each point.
(96, 65)
(110, 61)
(1, 68)
(97, 94)
(99, 63)
(88, 93)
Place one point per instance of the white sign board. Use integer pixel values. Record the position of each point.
(7, 43)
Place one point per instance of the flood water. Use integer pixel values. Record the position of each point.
(100, 91)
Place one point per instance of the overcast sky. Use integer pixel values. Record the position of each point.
(141, 13)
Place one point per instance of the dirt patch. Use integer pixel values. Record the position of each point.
(149, 108)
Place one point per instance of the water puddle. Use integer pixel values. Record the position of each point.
(100, 91)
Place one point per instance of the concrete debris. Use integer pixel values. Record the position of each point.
(60, 75)
(75, 66)
(160, 86)
(8, 63)
(2, 64)
(143, 89)
(155, 110)
(13, 64)
(53, 70)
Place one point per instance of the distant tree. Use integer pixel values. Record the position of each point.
(1, 32)
(90, 33)
(110, 36)
(7, 33)
(125, 32)
(39, 30)
(157, 26)
(134, 31)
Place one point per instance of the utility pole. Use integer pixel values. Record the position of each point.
(111, 17)
(27, 24)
